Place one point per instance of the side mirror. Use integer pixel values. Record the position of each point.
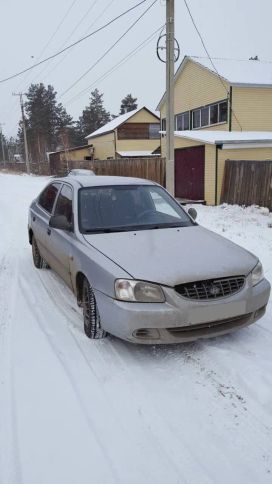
(192, 212)
(60, 222)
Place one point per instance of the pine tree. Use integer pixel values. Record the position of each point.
(93, 116)
(46, 121)
(129, 103)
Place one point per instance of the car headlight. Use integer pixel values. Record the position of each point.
(257, 274)
(138, 291)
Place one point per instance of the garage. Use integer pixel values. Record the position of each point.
(189, 173)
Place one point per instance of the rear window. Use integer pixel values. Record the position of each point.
(48, 197)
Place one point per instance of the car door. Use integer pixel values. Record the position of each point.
(41, 211)
(60, 242)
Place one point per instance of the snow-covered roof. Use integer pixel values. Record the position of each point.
(237, 72)
(116, 122)
(229, 138)
(136, 154)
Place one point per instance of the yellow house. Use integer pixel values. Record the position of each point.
(222, 111)
(133, 134)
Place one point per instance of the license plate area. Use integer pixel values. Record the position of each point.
(202, 314)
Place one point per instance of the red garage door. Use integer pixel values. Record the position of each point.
(189, 173)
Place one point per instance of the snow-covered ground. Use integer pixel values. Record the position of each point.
(79, 411)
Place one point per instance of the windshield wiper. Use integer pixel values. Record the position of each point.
(109, 230)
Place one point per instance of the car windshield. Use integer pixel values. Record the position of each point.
(128, 207)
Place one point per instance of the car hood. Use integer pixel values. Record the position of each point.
(175, 255)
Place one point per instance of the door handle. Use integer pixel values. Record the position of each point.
(49, 231)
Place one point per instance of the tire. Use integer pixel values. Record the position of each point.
(38, 261)
(92, 324)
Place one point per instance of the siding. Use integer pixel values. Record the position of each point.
(104, 146)
(196, 87)
(75, 155)
(179, 143)
(137, 144)
(209, 187)
(143, 116)
(253, 108)
(210, 154)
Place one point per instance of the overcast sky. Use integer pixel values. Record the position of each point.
(233, 29)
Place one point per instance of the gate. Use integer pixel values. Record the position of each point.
(189, 173)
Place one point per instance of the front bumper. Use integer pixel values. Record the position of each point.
(180, 319)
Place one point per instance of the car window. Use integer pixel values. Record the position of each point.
(64, 203)
(48, 197)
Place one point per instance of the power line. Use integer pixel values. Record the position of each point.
(84, 16)
(46, 45)
(108, 50)
(74, 43)
(131, 54)
(211, 61)
(58, 27)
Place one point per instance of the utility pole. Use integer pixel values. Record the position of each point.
(170, 62)
(20, 94)
(2, 144)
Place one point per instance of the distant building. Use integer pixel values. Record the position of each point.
(136, 133)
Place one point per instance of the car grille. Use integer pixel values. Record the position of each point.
(211, 288)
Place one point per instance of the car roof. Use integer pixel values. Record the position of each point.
(95, 181)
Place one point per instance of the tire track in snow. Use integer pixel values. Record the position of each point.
(207, 372)
(58, 353)
(209, 376)
(57, 292)
(10, 465)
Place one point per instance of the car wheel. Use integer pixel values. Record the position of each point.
(92, 325)
(37, 259)
(39, 262)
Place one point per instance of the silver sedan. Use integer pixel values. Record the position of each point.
(140, 266)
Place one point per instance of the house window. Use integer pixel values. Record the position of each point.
(223, 112)
(209, 115)
(163, 124)
(196, 118)
(182, 121)
(205, 116)
(154, 131)
(214, 114)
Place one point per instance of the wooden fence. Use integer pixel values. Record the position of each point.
(148, 168)
(247, 183)
(42, 168)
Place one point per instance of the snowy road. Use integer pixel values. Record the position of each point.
(79, 411)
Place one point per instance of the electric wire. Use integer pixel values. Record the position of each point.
(109, 49)
(74, 43)
(42, 51)
(210, 59)
(83, 17)
(106, 74)
(125, 59)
